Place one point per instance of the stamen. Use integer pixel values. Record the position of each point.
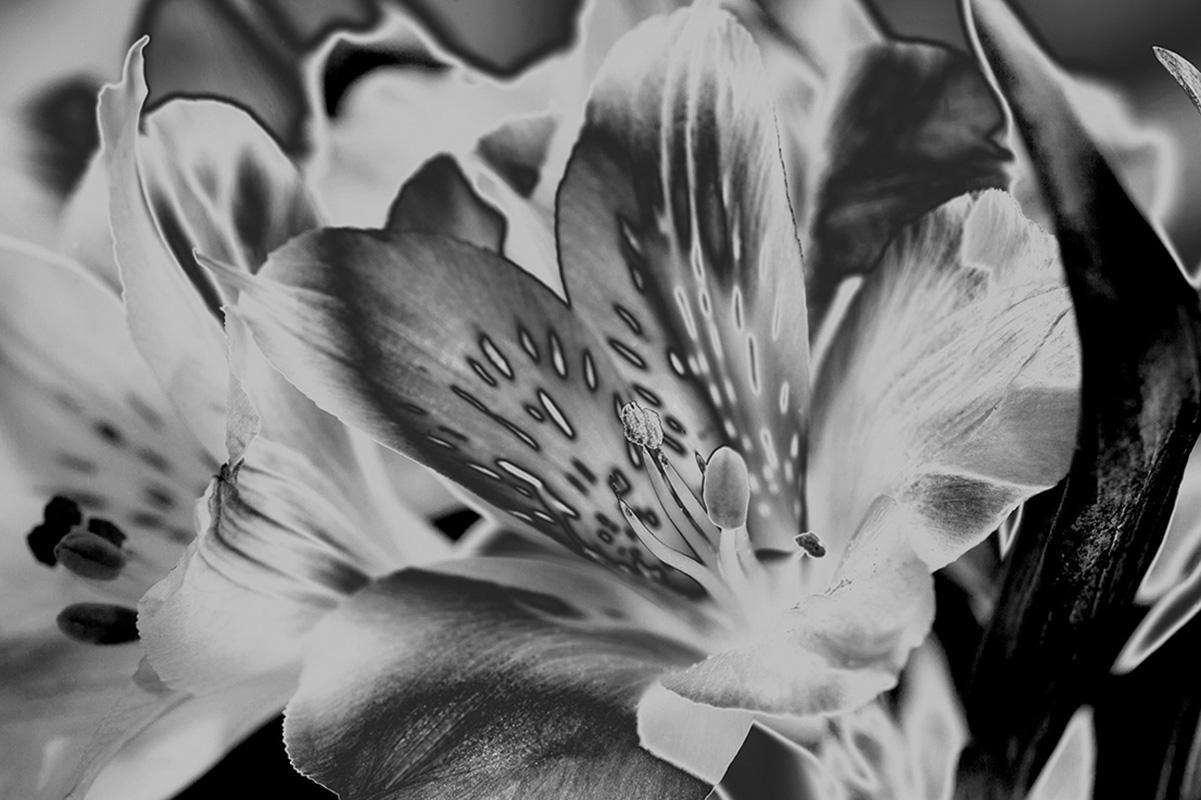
(59, 516)
(106, 530)
(89, 555)
(810, 543)
(42, 540)
(99, 623)
(642, 427)
(62, 512)
(693, 569)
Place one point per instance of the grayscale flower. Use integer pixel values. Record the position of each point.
(790, 579)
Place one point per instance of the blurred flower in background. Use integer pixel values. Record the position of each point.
(130, 392)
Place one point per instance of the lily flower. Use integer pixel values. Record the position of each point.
(757, 526)
(115, 406)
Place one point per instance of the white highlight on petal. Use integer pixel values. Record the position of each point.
(699, 739)
(1069, 772)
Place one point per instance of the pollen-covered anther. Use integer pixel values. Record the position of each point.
(59, 516)
(810, 544)
(90, 555)
(99, 623)
(726, 490)
(642, 426)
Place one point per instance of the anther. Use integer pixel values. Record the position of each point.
(58, 517)
(726, 490)
(90, 555)
(106, 530)
(810, 543)
(42, 540)
(99, 623)
(62, 512)
(642, 427)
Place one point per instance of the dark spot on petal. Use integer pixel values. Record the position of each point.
(154, 460)
(179, 535)
(159, 497)
(146, 519)
(144, 410)
(75, 463)
(109, 433)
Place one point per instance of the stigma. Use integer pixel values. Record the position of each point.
(713, 524)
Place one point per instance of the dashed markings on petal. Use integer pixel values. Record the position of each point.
(496, 357)
(411, 369)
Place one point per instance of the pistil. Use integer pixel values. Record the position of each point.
(722, 561)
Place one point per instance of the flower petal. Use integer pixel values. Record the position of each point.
(249, 55)
(372, 146)
(700, 739)
(1180, 550)
(277, 551)
(952, 384)
(1184, 72)
(216, 182)
(174, 331)
(53, 692)
(438, 199)
(165, 747)
(428, 685)
(452, 356)
(1071, 769)
(833, 651)
(901, 129)
(677, 244)
(85, 417)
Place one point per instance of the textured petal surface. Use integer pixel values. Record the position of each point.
(952, 384)
(459, 359)
(834, 651)
(428, 685)
(85, 418)
(677, 244)
(276, 554)
(286, 535)
(216, 182)
(176, 334)
(1184, 72)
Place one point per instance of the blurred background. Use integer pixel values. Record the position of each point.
(43, 41)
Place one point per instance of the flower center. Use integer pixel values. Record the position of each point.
(719, 556)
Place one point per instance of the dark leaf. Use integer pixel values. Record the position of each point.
(1078, 560)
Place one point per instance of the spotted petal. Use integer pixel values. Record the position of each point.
(85, 417)
(432, 686)
(459, 359)
(677, 244)
(953, 382)
(284, 539)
